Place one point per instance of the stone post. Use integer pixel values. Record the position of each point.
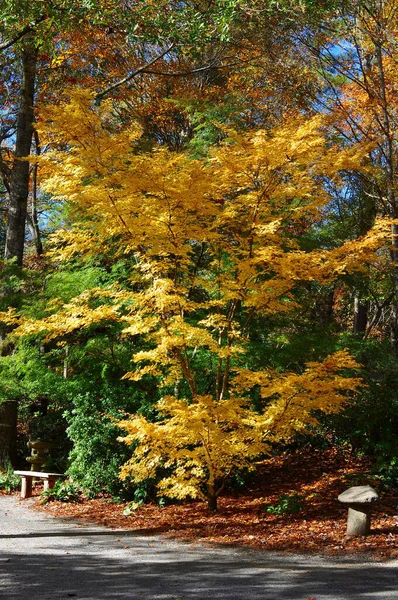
(359, 500)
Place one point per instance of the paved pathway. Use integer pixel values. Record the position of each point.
(42, 558)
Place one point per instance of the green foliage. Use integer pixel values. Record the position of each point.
(287, 504)
(370, 423)
(387, 470)
(9, 481)
(367, 425)
(16, 284)
(140, 496)
(63, 491)
(67, 284)
(69, 392)
(42, 395)
(97, 456)
(132, 506)
(208, 121)
(145, 491)
(77, 409)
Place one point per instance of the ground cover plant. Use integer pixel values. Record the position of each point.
(9, 481)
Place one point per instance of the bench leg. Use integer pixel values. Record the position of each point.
(49, 483)
(26, 487)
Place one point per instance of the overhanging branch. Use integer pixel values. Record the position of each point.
(121, 82)
(191, 71)
(28, 29)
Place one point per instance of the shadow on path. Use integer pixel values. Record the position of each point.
(84, 533)
(160, 575)
(46, 559)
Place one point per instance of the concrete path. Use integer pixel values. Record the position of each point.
(42, 558)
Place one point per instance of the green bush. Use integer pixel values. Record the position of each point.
(97, 456)
(9, 481)
(369, 424)
(287, 504)
(387, 471)
(63, 491)
(75, 412)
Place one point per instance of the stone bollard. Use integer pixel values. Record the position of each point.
(359, 500)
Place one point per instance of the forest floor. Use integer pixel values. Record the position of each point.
(242, 520)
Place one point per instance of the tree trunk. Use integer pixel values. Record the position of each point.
(8, 425)
(16, 215)
(360, 316)
(389, 154)
(394, 320)
(322, 312)
(19, 177)
(33, 219)
(212, 501)
(34, 230)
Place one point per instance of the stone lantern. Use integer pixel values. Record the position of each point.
(39, 454)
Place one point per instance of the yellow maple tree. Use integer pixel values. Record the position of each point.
(211, 244)
(202, 441)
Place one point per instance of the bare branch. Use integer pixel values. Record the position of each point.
(190, 71)
(118, 84)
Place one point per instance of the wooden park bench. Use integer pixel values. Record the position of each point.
(27, 477)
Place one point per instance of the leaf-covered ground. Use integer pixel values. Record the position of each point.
(242, 519)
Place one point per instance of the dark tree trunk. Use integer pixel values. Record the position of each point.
(322, 312)
(329, 303)
(33, 219)
(360, 316)
(389, 153)
(8, 425)
(33, 226)
(212, 495)
(19, 177)
(394, 320)
(212, 502)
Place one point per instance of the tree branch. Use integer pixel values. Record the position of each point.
(142, 69)
(22, 33)
(190, 71)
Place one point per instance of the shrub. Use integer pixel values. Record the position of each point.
(388, 473)
(9, 481)
(97, 456)
(287, 504)
(63, 491)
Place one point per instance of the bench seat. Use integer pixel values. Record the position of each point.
(27, 477)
